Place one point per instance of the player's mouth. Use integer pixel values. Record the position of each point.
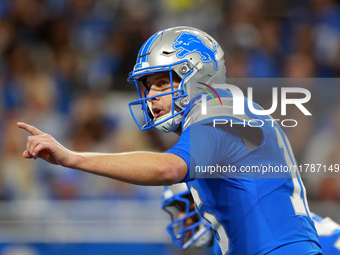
(188, 233)
(157, 112)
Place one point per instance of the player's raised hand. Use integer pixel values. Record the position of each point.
(42, 145)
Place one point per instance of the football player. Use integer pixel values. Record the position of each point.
(176, 69)
(188, 228)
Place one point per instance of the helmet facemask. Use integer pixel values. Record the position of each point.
(198, 233)
(167, 122)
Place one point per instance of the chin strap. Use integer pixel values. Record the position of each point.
(205, 240)
(170, 125)
(167, 126)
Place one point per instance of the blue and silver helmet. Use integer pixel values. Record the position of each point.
(178, 202)
(193, 55)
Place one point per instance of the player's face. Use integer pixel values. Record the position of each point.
(157, 84)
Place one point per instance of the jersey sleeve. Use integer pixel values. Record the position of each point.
(205, 145)
(182, 149)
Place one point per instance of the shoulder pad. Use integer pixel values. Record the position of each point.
(213, 111)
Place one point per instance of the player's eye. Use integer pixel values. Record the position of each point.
(163, 82)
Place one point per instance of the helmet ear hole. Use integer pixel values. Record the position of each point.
(184, 69)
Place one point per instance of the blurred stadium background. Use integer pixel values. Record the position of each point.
(63, 68)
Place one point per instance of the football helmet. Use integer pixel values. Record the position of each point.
(177, 199)
(193, 55)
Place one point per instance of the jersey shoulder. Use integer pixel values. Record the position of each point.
(329, 234)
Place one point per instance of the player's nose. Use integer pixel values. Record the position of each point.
(188, 221)
(181, 215)
(153, 93)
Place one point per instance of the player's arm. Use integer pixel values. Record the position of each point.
(143, 168)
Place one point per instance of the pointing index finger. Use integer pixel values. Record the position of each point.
(33, 130)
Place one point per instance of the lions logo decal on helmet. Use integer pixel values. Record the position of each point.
(189, 43)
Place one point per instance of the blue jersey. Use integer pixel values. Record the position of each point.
(329, 235)
(216, 248)
(256, 215)
(328, 231)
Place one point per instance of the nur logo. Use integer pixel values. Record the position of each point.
(204, 97)
(239, 99)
